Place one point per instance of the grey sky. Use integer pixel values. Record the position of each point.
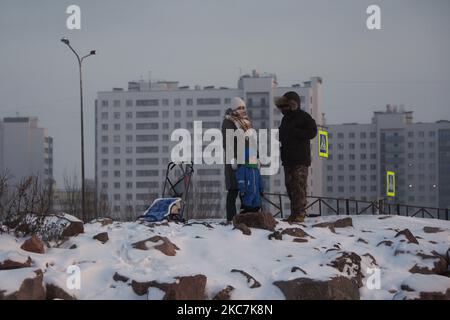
(205, 42)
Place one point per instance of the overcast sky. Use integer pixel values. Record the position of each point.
(206, 42)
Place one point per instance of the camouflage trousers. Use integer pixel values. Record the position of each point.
(296, 179)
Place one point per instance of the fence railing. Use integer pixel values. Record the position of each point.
(344, 206)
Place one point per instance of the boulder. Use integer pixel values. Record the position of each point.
(432, 229)
(440, 264)
(13, 260)
(257, 220)
(33, 244)
(408, 235)
(332, 225)
(54, 292)
(47, 227)
(275, 235)
(224, 294)
(337, 288)
(119, 277)
(350, 264)
(31, 288)
(166, 247)
(252, 282)
(102, 237)
(295, 232)
(184, 288)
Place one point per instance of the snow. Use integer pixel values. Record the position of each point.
(10, 280)
(215, 252)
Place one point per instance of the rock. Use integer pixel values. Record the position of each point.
(338, 288)
(294, 269)
(33, 244)
(440, 265)
(432, 229)
(373, 260)
(102, 237)
(106, 221)
(184, 288)
(388, 243)
(275, 235)
(350, 264)
(435, 295)
(15, 260)
(74, 246)
(300, 240)
(47, 227)
(384, 217)
(167, 247)
(242, 227)
(257, 220)
(362, 240)
(295, 232)
(409, 236)
(55, 292)
(253, 283)
(119, 277)
(340, 223)
(30, 289)
(224, 294)
(426, 287)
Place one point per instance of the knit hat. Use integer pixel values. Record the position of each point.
(236, 103)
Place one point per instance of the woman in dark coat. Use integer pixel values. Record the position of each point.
(235, 118)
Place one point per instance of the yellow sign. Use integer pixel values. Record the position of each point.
(323, 144)
(390, 184)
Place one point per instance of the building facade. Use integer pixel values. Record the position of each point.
(418, 154)
(25, 150)
(133, 137)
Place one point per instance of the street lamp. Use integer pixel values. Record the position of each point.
(80, 60)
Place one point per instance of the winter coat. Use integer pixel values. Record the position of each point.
(295, 132)
(250, 186)
(230, 175)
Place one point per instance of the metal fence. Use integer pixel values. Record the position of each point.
(317, 206)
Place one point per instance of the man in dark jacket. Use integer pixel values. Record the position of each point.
(295, 132)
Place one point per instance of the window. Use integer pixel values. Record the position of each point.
(208, 113)
(105, 162)
(363, 167)
(340, 135)
(129, 185)
(104, 150)
(129, 138)
(104, 138)
(147, 114)
(373, 145)
(147, 184)
(146, 173)
(189, 102)
(340, 178)
(351, 146)
(117, 197)
(117, 126)
(116, 103)
(104, 185)
(208, 101)
(147, 137)
(373, 167)
(104, 174)
(410, 134)
(129, 162)
(207, 172)
(117, 162)
(373, 156)
(421, 134)
(117, 173)
(363, 156)
(362, 145)
(363, 178)
(129, 103)
(147, 103)
(373, 135)
(104, 103)
(129, 173)
(129, 126)
(104, 115)
(189, 113)
(147, 149)
(104, 127)
(129, 115)
(117, 138)
(341, 156)
(165, 102)
(165, 125)
(116, 115)
(432, 134)
(177, 114)
(341, 167)
(341, 189)
(116, 150)
(330, 167)
(352, 178)
(352, 156)
(129, 196)
(147, 125)
(116, 185)
(330, 178)
(362, 135)
(329, 189)
(165, 114)
(177, 102)
(351, 167)
(129, 150)
(351, 135)
(147, 161)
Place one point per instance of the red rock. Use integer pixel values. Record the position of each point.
(33, 244)
(102, 237)
(167, 247)
(54, 292)
(184, 288)
(256, 220)
(224, 294)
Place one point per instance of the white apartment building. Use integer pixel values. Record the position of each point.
(25, 149)
(418, 153)
(133, 129)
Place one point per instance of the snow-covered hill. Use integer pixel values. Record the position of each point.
(204, 258)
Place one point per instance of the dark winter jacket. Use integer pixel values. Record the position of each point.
(295, 132)
(230, 175)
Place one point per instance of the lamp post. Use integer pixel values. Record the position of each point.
(80, 60)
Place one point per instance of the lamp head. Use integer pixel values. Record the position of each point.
(65, 40)
(93, 52)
